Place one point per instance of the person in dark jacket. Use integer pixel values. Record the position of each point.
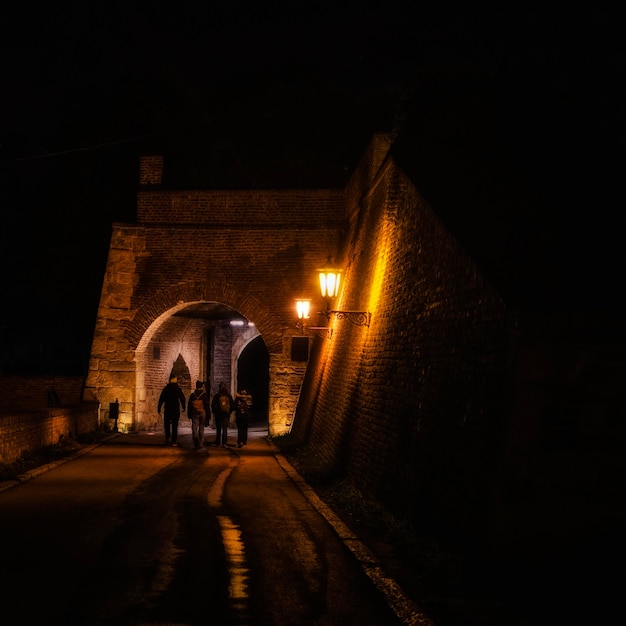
(222, 406)
(172, 399)
(198, 408)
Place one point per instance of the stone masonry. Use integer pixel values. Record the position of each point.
(252, 251)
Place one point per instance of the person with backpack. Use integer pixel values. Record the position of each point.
(222, 406)
(243, 406)
(197, 411)
(173, 399)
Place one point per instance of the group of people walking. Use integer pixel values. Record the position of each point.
(172, 401)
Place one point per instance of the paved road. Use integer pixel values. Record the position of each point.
(137, 533)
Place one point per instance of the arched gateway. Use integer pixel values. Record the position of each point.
(199, 276)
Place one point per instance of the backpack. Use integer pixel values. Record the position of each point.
(198, 405)
(224, 404)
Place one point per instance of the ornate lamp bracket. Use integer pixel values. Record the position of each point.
(358, 318)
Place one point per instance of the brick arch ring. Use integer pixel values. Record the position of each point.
(177, 296)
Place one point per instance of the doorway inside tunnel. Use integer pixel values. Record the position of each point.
(253, 376)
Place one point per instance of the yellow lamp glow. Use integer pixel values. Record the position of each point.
(330, 279)
(302, 307)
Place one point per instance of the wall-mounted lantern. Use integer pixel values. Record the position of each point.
(303, 306)
(330, 280)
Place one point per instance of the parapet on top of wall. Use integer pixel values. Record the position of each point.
(227, 207)
(310, 208)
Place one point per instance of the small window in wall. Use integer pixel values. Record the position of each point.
(299, 348)
(156, 353)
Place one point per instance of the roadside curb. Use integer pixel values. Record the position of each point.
(406, 609)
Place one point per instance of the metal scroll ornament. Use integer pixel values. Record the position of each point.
(358, 318)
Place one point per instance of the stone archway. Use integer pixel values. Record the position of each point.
(181, 299)
(199, 341)
(131, 358)
(182, 295)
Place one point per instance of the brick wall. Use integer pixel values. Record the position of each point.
(25, 431)
(241, 209)
(483, 426)
(33, 392)
(410, 409)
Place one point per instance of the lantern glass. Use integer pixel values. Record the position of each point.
(302, 307)
(330, 278)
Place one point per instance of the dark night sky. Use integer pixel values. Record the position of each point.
(511, 123)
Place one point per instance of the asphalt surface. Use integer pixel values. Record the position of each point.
(402, 606)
